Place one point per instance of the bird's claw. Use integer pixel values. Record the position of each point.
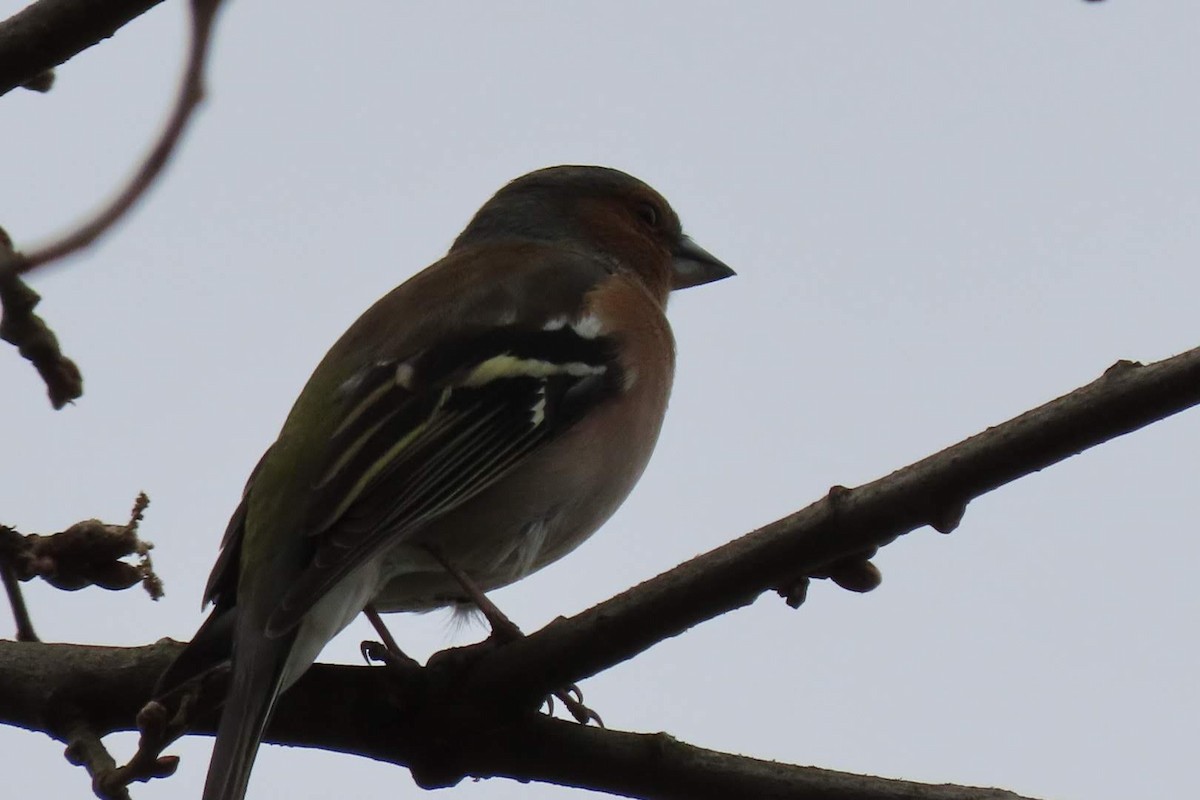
(379, 653)
(572, 700)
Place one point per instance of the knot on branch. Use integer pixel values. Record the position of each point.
(853, 572)
(89, 553)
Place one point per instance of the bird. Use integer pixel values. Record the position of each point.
(491, 412)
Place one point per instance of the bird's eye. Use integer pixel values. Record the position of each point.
(649, 214)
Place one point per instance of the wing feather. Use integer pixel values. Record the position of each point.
(425, 435)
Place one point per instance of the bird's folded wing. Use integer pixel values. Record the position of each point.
(421, 436)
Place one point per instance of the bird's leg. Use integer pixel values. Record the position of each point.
(505, 630)
(394, 655)
(377, 623)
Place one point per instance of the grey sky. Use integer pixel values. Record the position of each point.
(942, 213)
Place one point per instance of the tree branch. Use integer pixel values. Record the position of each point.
(56, 688)
(934, 491)
(656, 766)
(470, 711)
(33, 338)
(50, 32)
(81, 21)
(89, 553)
(16, 599)
(190, 95)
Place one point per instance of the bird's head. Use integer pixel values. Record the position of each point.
(603, 210)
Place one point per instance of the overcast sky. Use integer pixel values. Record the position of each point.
(942, 213)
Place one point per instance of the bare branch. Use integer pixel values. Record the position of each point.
(85, 749)
(191, 93)
(845, 524)
(470, 712)
(154, 723)
(33, 338)
(655, 766)
(347, 709)
(16, 599)
(48, 33)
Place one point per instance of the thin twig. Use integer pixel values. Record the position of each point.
(33, 337)
(159, 729)
(191, 93)
(85, 749)
(16, 600)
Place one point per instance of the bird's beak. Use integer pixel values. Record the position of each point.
(693, 265)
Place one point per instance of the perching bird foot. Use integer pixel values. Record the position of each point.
(572, 700)
(378, 653)
(504, 630)
(388, 652)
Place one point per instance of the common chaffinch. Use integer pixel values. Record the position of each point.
(497, 407)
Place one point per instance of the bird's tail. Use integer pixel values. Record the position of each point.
(255, 686)
(210, 648)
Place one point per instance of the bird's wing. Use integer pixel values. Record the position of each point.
(213, 642)
(422, 435)
(222, 581)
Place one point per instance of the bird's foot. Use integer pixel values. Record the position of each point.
(504, 630)
(572, 700)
